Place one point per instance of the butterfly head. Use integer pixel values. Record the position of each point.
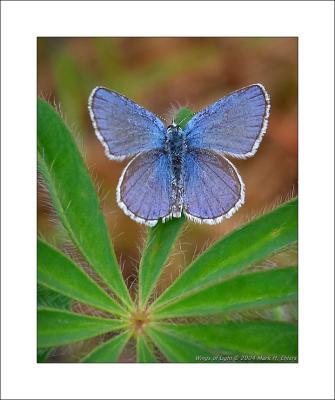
(174, 129)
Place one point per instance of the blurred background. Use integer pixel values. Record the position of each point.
(163, 74)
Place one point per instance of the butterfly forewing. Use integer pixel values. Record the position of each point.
(233, 125)
(123, 127)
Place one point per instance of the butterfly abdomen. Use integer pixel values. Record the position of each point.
(175, 147)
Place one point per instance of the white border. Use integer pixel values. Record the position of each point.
(313, 377)
(264, 125)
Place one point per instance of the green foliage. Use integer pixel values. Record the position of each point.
(249, 291)
(110, 350)
(58, 327)
(217, 289)
(144, 352)
(57, 272)
(255, 338)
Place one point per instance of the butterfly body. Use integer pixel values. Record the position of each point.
(174, 170)
(175, 149)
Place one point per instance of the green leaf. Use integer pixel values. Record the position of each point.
(242, 248)
(59, 327)
(269, 341)
(62, 275)
(49, 298)
(176, 349)
(74, 198)
(144, 353)
(183, 116)
(109, 351)
(247, 291)
(160, 240)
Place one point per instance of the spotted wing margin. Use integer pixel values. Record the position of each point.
(213, 189)
(123, 127)
(234, 125)
(144, 189)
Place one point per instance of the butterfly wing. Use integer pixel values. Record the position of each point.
(122, 126)
(213, 189)
(144, 189)
(234, 125)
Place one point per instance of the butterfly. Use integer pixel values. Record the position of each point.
(173, 170)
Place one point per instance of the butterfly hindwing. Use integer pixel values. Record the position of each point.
(213, 189)
(122, 126)
(233, 125)
(144, 189)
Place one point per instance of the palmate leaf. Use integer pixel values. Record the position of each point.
(74, 198)
(240, 249)
(249, 291)
(270, 341)
(59, 327)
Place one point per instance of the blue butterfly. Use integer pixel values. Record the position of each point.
(174, 170)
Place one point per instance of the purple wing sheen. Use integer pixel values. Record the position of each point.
(213, 189)
(122, 126)
(144, 189)
(233, 125)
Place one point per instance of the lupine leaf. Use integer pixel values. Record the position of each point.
(144, 353)
(109, 351)
(268, 339)
(248, 291)
(59, 327)
(176, 350)
(61, 274)
(160, 240)
(49, 298)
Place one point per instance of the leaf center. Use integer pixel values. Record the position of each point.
(139, 319)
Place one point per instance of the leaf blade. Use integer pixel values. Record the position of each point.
(175, 350)
(59, 273)
(267, 340)
(240, 249)
(160, 241)
(49, 298)
(59, 327)
(109, 351)
(253, 290)
(144, 353)
(74, 197)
